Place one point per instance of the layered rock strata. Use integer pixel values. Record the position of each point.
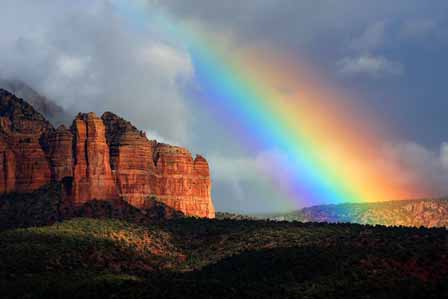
(98, 159)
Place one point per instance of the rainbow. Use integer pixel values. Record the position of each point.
(325, 147)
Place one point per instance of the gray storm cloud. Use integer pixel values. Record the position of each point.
(86, 57)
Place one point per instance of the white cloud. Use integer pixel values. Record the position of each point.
(235, 173)
(167, 59)
(259, 166)
(418, 166)
(154, 135)
(71, 66)
(227, 168)
(248, 181)
(363, 58)
(374, 66)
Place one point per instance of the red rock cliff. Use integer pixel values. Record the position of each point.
(145, 169)
(181, 182)
(23, 164)
(98, 158)
(92, 174)
(131, 159)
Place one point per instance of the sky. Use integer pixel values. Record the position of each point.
(390, 56)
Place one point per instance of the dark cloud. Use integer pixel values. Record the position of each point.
(88, 58)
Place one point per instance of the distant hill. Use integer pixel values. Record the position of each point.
(423, 212)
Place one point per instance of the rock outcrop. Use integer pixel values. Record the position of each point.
(92, 174)
(181, 182)
(24, 167)
(103, 158)
(131, 159)
(60, 153)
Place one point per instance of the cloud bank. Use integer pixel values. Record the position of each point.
(88, 58)
(419, 166)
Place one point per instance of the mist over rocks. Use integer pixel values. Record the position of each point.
(98, 158)
(52, 111)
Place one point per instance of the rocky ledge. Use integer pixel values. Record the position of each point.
(98, 158)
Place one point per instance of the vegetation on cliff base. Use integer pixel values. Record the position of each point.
(204, 258)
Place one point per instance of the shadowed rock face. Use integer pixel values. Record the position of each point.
(60, 153)
(23, 163)
(98, 159)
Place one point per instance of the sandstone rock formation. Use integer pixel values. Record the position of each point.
(180, 181)
(131, 159)
(92, 174)
(24, 166)
(103, 158)
(60, 153)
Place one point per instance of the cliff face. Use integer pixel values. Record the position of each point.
(144, 168)
(92, 175)
(23, 164)
(98, 158)
(182, 183)
(131, 159)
